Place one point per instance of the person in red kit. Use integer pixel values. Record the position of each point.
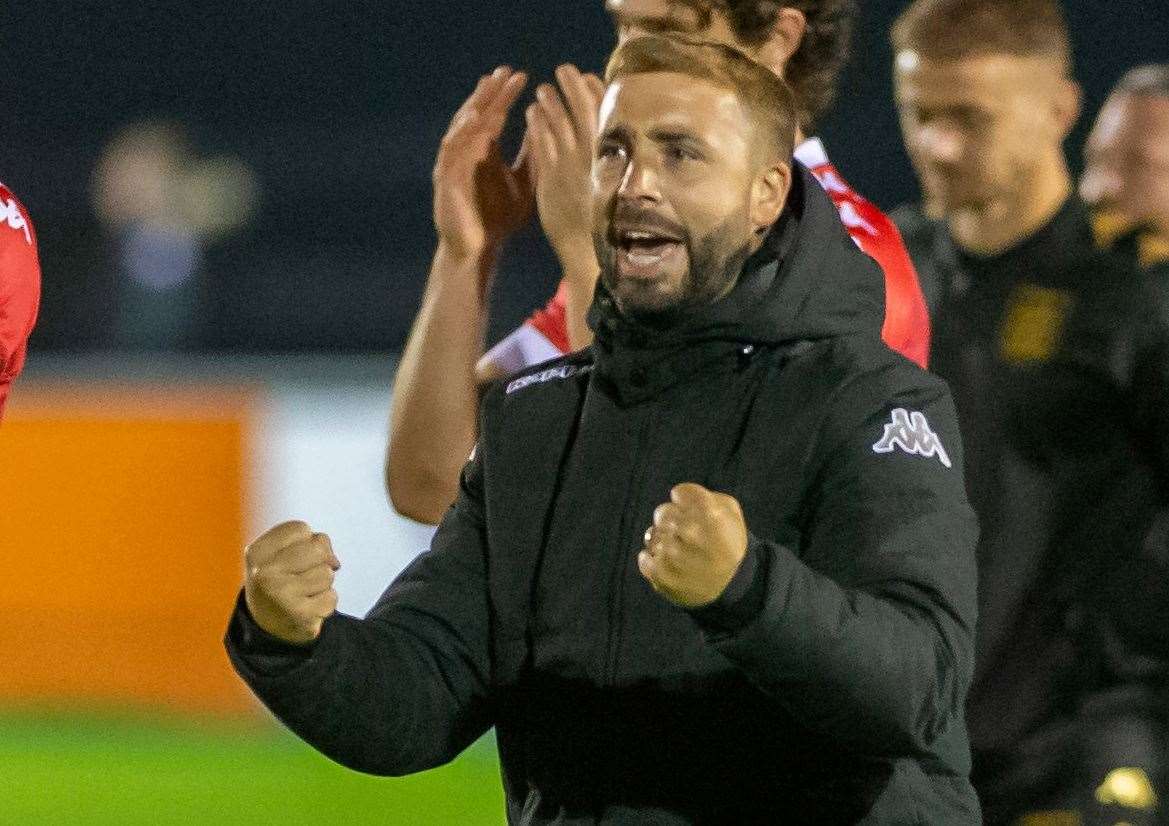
(436, 390)
(20, 288)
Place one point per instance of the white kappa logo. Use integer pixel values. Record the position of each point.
(911, 432)
(10, 214)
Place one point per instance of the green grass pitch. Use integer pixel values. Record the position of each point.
(121, 770)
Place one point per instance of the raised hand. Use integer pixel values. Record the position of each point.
(694, 546)
(562, 129)
(479, 199)
(288, 582)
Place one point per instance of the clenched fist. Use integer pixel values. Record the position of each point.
(288, 582)
(695, 545)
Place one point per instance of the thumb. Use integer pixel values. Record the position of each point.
(690, 494)
(262, 549)
(330, 557)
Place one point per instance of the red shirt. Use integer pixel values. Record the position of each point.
(20, 288)
(907, 322)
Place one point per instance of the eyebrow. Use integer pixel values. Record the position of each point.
(660, 135)
(668, 135)
(616, 133)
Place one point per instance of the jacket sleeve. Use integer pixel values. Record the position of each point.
(865, 631)
(20, 284)
(406, 688)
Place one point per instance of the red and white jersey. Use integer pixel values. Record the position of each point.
(907, 323)
(907, 319)
(20, 288)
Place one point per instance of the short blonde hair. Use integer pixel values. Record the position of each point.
(957, 29)
(763, 94)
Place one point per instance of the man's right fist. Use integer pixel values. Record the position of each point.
(288, 582)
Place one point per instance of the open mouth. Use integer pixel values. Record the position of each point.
(641, 253)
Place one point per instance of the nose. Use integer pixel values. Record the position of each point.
(640, 183)
(939, 143)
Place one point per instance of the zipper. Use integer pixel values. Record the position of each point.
(625, 542)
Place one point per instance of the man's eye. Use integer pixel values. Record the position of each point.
(681, 153)
(610, 150)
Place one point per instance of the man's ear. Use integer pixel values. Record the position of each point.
(1069, 102)
(769, 194)
(787, 33)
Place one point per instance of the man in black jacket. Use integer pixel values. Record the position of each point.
(1057, 360)
(717, 568)
(1126, 169)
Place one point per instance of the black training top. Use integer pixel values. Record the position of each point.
(1055, 354)
(825, 686)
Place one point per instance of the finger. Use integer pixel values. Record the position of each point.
(265, 547)
(331, 560)
(645, 564)
(581, 102)
(666, 516)
(543, 144)
(321, 606)
(489, 87)
(728, 502)
(668, 541)
(689, 494)
(523, 169)
(506, 96)
(470, 116)
(667, 553)
(304, 555)
(688, 532)
(315, 581)
(523, 157)
(556, 116)
(596, 86)
(483, 91)
(653, 542)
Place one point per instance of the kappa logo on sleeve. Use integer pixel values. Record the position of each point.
(911, 433)
(10, 214)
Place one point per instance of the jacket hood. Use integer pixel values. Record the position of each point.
(808, 281)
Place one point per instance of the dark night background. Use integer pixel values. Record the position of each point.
(338, 107)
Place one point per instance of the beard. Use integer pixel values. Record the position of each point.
(714, 263)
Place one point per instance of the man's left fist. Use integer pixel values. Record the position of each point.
(694, 546)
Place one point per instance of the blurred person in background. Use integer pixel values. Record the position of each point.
(1057, 360)
(1126, 173)
(651, 651)
(436, 390)
(20, 288)
(164, 205)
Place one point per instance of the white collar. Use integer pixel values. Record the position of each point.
(811, 153)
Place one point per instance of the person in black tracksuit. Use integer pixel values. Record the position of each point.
(1056, 355)
(822, 685)
(1066, 455)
